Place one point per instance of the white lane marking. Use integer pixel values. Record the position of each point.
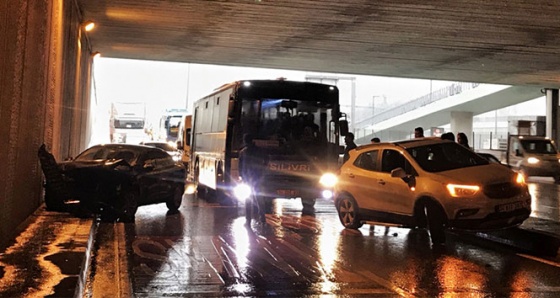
(544, 261)
(388, 285)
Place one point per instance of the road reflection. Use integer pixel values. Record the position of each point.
(208, 248)
(545, 202)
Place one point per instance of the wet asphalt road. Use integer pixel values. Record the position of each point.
(208, 250)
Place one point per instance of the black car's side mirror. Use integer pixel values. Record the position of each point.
(149, 165)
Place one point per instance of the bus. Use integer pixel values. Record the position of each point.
(276, 113)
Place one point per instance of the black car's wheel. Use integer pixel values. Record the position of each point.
(174, 202)
(52, 202)
(129, 205)
(348, 212)
(436, 222)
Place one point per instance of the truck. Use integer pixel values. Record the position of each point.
(533, 156)
(127, 122)
(169, 124)
(184, 140)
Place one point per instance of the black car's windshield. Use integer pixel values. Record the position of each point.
(538, 146)
(445, 156)
(101, 152)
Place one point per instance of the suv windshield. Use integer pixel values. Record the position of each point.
(445, 156)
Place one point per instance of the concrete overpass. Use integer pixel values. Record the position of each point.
(46, 56)
(438, 109)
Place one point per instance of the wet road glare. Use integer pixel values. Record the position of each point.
(209, 250)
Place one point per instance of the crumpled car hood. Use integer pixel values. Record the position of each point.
(106, 164)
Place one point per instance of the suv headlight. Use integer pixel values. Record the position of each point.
(328, 180)
(519, 178)
(456, 190)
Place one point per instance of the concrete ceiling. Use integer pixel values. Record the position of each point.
(514, 42)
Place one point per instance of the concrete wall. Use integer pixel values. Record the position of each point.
(44, 98)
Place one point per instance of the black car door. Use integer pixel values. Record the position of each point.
(156, 176)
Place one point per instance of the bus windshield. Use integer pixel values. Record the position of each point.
(278, 122)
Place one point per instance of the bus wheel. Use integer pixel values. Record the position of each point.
(250, 207)
(308, 205)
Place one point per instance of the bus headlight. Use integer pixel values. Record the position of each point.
(242, 191)
(328, 180)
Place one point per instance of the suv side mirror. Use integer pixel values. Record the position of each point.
(401, 173)
(518, 153)
(149, 165)
(398, 173)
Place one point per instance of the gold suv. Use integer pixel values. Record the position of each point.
(431, 183)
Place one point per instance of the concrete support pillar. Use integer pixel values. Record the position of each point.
(552, 121)
(462, 122)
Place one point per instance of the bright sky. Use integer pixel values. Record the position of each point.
(163, 85)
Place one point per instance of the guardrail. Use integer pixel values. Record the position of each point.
(448, 91)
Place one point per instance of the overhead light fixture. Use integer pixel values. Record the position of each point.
(95, 55)
(88, 25)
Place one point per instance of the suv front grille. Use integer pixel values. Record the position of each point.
(502, 190)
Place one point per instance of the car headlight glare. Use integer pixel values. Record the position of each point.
(532, 160)
(520, 179)
(242, 191)
(456, 190)
(327, 194)
(328, 180)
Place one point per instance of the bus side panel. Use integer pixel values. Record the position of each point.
(209, 129)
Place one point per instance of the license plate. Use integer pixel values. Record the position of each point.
(510, 207)
(287, 192)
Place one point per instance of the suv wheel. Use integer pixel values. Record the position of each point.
(436, 223)
(348, 212)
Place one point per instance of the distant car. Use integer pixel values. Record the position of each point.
(115, 179)
(170, 149)
(431, 183)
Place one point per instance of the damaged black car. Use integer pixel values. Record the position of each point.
(113, 180)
